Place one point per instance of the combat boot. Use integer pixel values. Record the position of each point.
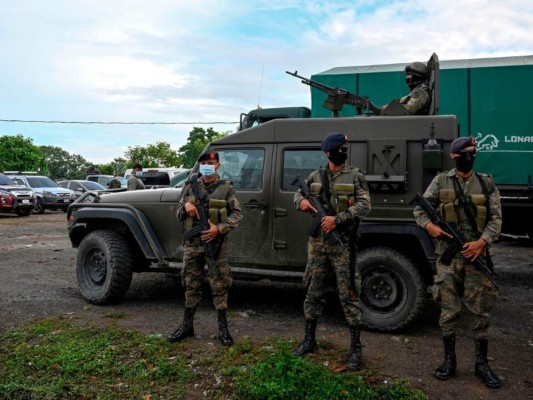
(223, 332)
(447, 368)
(355, 359)
(186, 329)
(489, 378)
(309, 343)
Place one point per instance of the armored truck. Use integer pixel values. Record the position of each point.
(118, 234)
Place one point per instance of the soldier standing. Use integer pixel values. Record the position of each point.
(418, 101)
(472, 201)
(326, 258)
(226, 210)
(134, 181)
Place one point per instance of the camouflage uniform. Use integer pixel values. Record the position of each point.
(326, 260)
(194, 259)
(461, 282)
(418, 101)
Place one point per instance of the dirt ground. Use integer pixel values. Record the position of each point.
(37, 267)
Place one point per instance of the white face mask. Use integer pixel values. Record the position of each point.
(207, 170)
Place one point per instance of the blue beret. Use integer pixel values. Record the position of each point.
(462, 143)
(333, 141)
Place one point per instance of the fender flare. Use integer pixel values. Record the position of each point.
(136, 221)
(411, 229)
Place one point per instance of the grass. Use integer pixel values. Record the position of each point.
(55, 359)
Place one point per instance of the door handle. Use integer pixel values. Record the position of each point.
(255, 205)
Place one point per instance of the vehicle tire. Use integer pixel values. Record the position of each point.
(103, 267)
(38, 208)
(24, 212)
(393, 294)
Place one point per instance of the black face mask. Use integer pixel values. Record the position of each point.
(465, 161)
(338, 156)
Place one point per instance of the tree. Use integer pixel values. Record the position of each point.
(62, 164)
(154, 155)
(18, 153)
(198, 139)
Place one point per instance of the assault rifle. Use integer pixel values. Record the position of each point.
(211, 249)
(458, 240)
(332, 237)
(338, 97)
(314, 228)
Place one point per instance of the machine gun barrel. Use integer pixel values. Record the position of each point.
(338, 97)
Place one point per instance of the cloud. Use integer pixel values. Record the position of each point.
(211, 60)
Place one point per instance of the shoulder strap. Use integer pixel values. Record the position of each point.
(464, 204)
(323, 174)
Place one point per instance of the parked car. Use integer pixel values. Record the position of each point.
(49, 195)
(80, 186)
(15, 198)
(104, 180)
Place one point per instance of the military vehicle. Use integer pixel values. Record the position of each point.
(120, 233)
(489, 97)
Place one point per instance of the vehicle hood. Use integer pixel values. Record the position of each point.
(169, 195)
(55, 190)
(16, 189)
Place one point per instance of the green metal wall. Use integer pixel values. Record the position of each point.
(493, 103)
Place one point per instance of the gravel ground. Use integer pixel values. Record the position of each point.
(37, 267)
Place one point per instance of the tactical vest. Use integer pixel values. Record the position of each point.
(342, 194)
(424, 110)
(476, 199)
(215, 201)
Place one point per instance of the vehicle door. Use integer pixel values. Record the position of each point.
(289, 225)
(248, 167)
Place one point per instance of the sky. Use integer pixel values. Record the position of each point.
(194, 63)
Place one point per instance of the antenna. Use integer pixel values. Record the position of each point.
(260, 86)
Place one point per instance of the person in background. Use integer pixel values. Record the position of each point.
(134, 181)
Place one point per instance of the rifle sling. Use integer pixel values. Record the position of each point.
(323, 173)
(463, 203)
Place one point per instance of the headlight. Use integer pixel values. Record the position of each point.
(4, 193)
(49, 194)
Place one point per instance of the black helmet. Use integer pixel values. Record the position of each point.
(418, 71)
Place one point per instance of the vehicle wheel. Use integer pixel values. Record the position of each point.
(393, 294)
(24, 213)
(103, 267)
(38, 208)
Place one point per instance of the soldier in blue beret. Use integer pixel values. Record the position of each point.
(343, 192)
(471, 201)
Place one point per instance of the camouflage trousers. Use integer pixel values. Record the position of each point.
(461, 284)
(327, 263)
(193, 273)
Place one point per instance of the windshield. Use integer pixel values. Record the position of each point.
(4, 180)
(40, 181)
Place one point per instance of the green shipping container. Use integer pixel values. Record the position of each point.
(490, 97)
